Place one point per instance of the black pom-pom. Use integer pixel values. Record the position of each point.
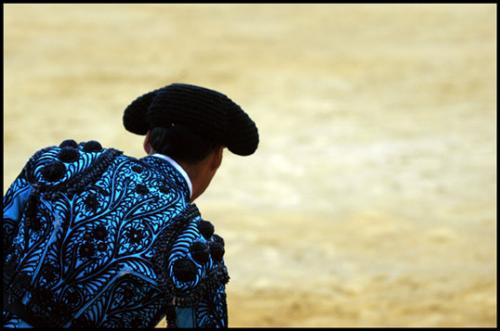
(137, 169)
(102, 247)
(54, 171)
(68, 154)
(217, 251)
(185, 270)
(100, 232)
(69, 143)
(218, 239)
(206, 228)
(141, 189)
(87, 249)
(92, 146)
(91, 202)
(200, 252)
(164, 188)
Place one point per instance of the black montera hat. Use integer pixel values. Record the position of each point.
(208, 113)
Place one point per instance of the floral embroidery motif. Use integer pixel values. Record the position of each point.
(99, 255)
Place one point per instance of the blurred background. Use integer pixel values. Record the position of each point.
(371, 200)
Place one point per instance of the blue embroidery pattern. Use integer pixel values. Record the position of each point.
(92, 238)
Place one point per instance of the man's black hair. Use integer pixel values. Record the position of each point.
(181, 144)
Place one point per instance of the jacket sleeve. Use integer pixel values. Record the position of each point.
(14, 201)
(198, 272)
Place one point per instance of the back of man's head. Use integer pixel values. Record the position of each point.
(181, 144)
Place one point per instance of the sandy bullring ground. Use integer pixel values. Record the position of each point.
(371, 199)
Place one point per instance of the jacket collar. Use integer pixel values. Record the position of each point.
(178, 168)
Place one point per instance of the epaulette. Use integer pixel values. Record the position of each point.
(69, 166)
(196, 263)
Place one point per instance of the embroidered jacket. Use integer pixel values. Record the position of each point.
(95, 238)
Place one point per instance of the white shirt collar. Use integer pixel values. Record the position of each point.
(179, 168)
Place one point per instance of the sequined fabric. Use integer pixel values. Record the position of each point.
(95, 238)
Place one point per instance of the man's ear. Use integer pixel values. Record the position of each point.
(217, 158)
(147, 145)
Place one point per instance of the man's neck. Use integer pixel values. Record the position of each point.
(193, 171)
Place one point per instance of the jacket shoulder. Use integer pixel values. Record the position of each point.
(55, 166)
(197, 258)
